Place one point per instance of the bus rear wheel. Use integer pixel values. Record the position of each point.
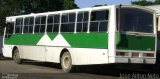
(16, 57)
(66, 62)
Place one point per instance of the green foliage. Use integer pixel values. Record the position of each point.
(69, 4)
(157, 1)
(19, 7)
(145, 3)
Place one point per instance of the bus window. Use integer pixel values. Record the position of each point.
(25, 29)
(68, 22)
(28, 25)
(40, 22)
(19, 24)
(136, 20)
(31, 22)
(53, 23)
(56, 23)
(82, 22)
(50, 23)
(99, 21)
(9, 29)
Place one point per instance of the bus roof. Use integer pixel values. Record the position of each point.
(78, 10)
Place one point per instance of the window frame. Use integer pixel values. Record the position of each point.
(28, 24)
(134, 32)
(40, 24)
(68, 23)
(82, 22)
(9, 25)
(100, 21)
(53, 22)
(21, 26)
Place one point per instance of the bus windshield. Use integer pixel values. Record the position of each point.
(135, 20)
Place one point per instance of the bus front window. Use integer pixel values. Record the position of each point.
(135, 20)
(9, 29)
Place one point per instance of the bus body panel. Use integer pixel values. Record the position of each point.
(137, 42)
(7, 50)
(32, 52)
(89, 56)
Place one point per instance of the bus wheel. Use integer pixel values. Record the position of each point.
(66, 62)
(16, 57)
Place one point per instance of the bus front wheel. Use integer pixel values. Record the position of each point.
(16, 57)
(66, 62)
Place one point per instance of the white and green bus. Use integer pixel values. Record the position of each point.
(89, 36)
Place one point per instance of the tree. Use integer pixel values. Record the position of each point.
(19, 7)
(69, 4)
(145, 3)
(142, 2)
(157, 1)
(7, 8)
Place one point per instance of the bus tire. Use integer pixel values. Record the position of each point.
(16, 57)
(66, 62)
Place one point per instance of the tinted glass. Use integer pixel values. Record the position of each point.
(56, 18)
(43, 19)
(50, 19)
(136, 20)
(85, 16)
(56, 28)
(94, 27)
(72, 17)
(65, 18)
(103, 26)
(19, 24)
(9, 29)
(31, 21)
(79, 27)
(80, 17)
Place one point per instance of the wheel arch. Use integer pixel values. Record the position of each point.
(14, 48)
(62, 52)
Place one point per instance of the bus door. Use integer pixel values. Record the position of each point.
(8, 31)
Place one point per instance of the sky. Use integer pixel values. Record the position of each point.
(90, 3)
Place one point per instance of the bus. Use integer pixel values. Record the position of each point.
(90, 36)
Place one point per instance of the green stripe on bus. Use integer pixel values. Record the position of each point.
(24, 39)
(90, 40)
(132, 42)
(52, 35)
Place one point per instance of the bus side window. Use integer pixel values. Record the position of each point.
(53, 23)
(40, 22)
(28, 25)
(82, 22)
(50, 23)
(68, 22)
(31, 22)
(19, 24)
(56, 23)
(26, 21)
(9, 29)
(64, 23)
(99, 21)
